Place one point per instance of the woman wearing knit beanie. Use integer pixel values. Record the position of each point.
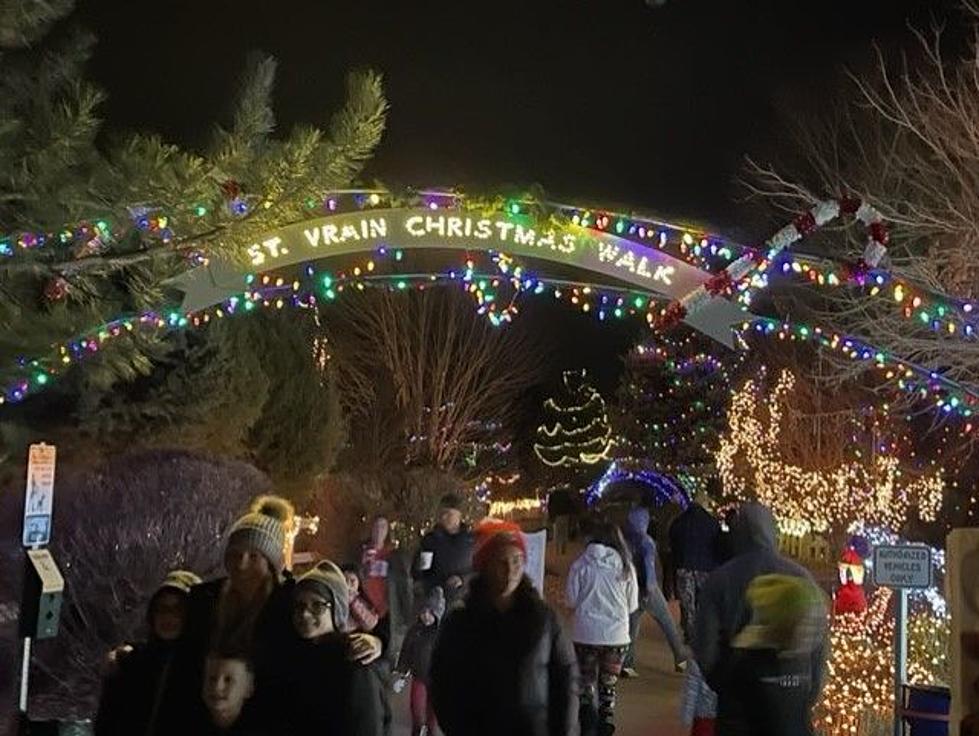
(249, 609)
(502, 664)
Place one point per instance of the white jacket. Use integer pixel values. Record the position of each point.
(601, 596)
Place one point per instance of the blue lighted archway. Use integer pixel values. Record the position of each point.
(664, 488)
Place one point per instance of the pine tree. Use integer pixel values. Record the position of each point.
(91, 233)
(575, 437)
(670, 411)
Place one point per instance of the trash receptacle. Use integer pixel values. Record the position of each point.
(925, 710)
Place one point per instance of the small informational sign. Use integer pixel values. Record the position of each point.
(39, 495)
(902, 566)
(536, 547)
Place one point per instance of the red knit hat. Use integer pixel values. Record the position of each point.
(491, 534)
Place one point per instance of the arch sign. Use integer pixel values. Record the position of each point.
(423, 228)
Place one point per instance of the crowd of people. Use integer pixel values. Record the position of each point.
(261, 651)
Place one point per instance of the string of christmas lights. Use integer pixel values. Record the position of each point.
(873, 491)
(948, 396)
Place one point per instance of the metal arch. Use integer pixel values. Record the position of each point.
(407, 228)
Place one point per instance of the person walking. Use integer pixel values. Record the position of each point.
(603, 591)
(694, 538)
(770, 670)
(387, 584)
(560, 507)
(445, 556)
(502, 664)
(698, 703)
(725, 609)
(415, 662)
(140, 693)
(651, 598)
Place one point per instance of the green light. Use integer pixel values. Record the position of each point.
(41, 378)
(514, 208)
(402, 285)
(638, 302)
(249, 305)
(330, 294)
(250, 278)
(618, 312)
(398, 255)
(200, 210)
(620, 227)
(102, 225)
(327, 282)
(925, 317)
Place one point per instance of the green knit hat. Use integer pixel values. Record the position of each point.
(780, 606)
(263, 530)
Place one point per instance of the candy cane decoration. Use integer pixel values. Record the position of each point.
(804, 225)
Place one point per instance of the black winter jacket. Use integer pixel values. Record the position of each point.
(694, 539)
(452, 554)
(776, 692)
(722, 610)
(320, 692)
(416, 653)
(143, 696)
(273, 631)
(508, 673)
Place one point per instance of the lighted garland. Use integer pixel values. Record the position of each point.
(948, 396)
(939, 312)
(750, 464)
(731, 277)
(276, 292)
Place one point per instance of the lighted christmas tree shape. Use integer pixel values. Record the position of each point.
(670, 410)
(576, 434)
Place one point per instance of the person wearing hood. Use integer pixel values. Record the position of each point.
(693, 543)
(445, 557)
(770, 668)
(725, 609)
(322, 690)
(415, 662)
(651, 599)
(140, 694)
(502, 663)
(603, 591)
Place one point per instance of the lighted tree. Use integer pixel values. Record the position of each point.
(670, 410)
(575, 436)
(818, 470)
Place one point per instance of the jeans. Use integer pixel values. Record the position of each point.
(655, 605)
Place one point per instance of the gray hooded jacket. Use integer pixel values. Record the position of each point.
(722, 610)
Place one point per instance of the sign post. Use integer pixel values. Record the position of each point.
(901, 567)
(38, 514)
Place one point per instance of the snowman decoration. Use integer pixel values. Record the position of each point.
(850, 596)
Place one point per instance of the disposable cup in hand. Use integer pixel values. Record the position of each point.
(425, 561)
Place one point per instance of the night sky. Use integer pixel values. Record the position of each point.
(608, 102)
